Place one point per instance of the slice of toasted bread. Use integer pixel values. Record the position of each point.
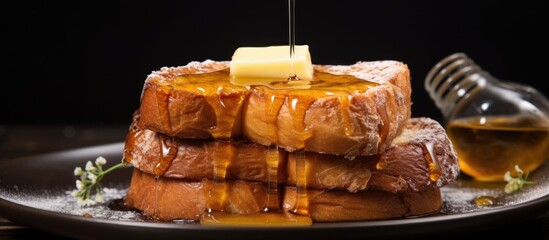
(349, 110)
(420, 157)
(170, 199)
(337, 205)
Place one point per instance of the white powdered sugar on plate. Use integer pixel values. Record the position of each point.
(459, 197)
(63, 202)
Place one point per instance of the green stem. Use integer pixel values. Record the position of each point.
(119, 165)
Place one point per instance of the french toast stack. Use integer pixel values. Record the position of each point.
(346, 149)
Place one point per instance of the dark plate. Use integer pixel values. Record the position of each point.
(33, 190)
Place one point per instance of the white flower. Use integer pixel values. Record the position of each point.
(89, 166)
(88, 182)
(74, 193)
(79, 185)
(92, 177)
(515, 184)
(512, 186)
(84, 203)
(99, 198)
(507, 177)
(100, 161)
(78, 171)
(519, 171)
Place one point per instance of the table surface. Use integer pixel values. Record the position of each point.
(23, 140)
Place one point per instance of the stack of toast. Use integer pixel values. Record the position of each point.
(345, 149)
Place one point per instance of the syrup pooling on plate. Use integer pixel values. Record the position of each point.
(484, 201)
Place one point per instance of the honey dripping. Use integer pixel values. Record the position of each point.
(168, 151)
(134, 133)
(432, 162)
(297, 101)
(155, 211)
(381, 163)
(224, 98)
(272, 202)
(217, 194)
(302, 200)
(273, 105)
(291, 39)
(298, 96)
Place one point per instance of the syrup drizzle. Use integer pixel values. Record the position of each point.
(272, 108)
(133, 134)
(381, 163)
(298, 105)
(273, 105)
(302, 201)
(291, 40)
(432, 162)
(217, 196)
(225, 98)
(346, 114)
(162, 98)
(155, 211)
(168, 151)
(226, 108)
(272, 202)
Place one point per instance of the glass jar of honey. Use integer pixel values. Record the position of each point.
(493, 124)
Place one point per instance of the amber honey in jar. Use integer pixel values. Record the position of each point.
(493, 124)
(488, 147)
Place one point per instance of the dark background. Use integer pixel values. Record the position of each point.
(85, 62)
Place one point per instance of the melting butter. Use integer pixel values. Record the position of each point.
(260, 65)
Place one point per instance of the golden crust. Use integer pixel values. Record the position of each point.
(405, 165)
(169, 199)
(357, 122)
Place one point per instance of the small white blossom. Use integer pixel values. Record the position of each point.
(92, 177)
(78, 171)
(519, 171)
(84, 202)
(79, 185)
(74, 193)
(512, 186)
(88, 182)
(99, 198)
(515, 184)
(507, 177)
(100, 161)
(89, 166)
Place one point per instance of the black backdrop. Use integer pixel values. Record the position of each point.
(85, 62)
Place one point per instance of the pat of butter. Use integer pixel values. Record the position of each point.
(271, 62)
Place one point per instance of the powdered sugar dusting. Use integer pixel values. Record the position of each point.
(422, 130)
(195, 67)
(63, 202)
(374, 71)
(459, 197)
